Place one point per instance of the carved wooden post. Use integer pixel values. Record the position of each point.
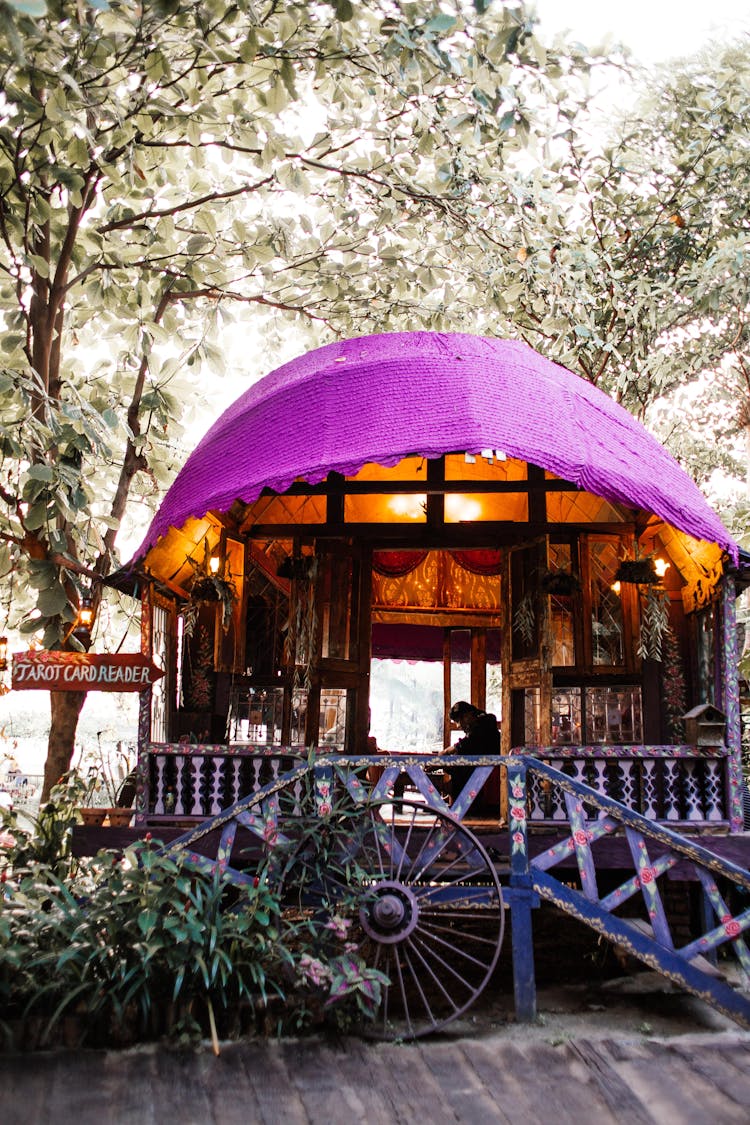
(522, 897)
(144, 720)
(730, 686)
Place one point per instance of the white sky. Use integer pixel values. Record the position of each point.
(655, 30)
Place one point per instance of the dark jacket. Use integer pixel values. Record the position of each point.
(483, 738)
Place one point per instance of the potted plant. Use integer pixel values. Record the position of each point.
(640, 570)
(102, 787)
(209, 586)
(560, 583)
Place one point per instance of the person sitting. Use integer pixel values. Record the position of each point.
(481, 737)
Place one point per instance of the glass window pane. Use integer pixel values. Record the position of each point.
(494, 675)
(613, 714)
(406, 705)
(333, 718)
(607, 629)
(471, 507)
(336, 607)
(561, 610)
(566, 717)
(532, 717)
(255, 716)
(524, 609)
(405, 507)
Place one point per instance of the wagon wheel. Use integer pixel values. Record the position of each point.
(423, 903)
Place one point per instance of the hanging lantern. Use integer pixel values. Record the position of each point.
(85, 618)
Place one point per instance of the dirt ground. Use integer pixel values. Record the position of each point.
(585, 988)
(641, 1005)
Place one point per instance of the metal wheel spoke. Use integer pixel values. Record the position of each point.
(435, 978)
(445, 964)
(405, 845)
(415, 875)
(402, 990)
(430, 889)
(431, 927)
(433, 933)
(376, 837)
(415, 976)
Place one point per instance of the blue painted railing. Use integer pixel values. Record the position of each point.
(677, 785)
(590, 817)
(653, 850)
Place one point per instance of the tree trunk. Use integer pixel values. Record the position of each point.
(65, 707)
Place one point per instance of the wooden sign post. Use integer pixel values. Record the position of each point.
(83, 671)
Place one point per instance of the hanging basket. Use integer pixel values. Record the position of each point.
(641, 572)
(204, 590)
(560, 583)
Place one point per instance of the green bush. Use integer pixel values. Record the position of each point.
(138, 946)
(149, 943)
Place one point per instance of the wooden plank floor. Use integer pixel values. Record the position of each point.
(701, 1079)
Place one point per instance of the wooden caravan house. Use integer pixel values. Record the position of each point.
(462, 506)
(456, 497)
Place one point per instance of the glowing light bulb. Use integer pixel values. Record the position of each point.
(411, 506)
(213, 564)
(661, 566)
(460, 509)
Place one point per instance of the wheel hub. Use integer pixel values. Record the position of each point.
(389, 912)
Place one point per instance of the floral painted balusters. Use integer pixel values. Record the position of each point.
(176, 799)
(672, 789)
(557, 812)
(582, 838)
(729, 927)
(160, 762)
(539, 797)
(216, 767)
(647, 873)
(600, 783)
(715, 795)
(235, 783)
(692, 790)
(628, 783)
(649, 792)
(198, 765)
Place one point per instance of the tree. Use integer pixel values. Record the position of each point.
(163, 166)
(624, 254)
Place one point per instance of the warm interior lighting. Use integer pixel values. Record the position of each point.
(3, 653)
(411, 506)
(615, 588)
(661, 566)
(213, 564)
(85, 617)
(460, 509)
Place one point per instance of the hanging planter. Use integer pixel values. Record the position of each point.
(559, 583)
(209, 587)
(654, 623)
(553, 583)
(640, 572)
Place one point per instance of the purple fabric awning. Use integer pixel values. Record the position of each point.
(380, 398)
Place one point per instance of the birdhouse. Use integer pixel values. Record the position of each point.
(705, 725)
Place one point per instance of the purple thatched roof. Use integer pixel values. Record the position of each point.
(379, 398)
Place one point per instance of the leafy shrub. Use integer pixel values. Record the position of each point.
(150, 943)
(137, 946)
